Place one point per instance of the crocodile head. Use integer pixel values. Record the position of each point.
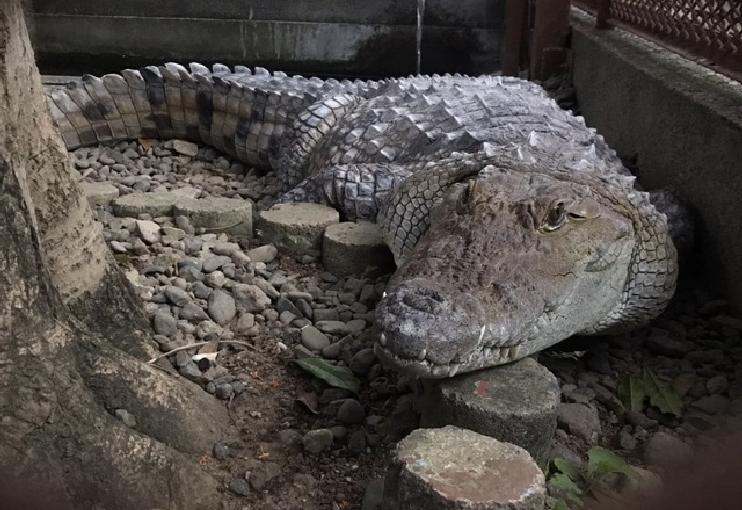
(510, 265)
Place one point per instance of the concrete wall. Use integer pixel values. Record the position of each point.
(685, 124)
(322, 36)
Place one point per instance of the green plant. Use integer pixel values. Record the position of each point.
(334, 375)
(572, 485)
(636, 389)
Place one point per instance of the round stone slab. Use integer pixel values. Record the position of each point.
(216, 215)
(296, 229)
(516, 403)
(453, 468)
(349, 248)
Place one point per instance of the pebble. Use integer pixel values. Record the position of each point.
(222, 307)
(317, 440)
(351, 412)
(314, 339)
(664, 450)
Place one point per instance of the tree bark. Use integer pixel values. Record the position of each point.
(73, 336)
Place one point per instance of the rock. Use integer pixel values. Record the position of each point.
(99, 193)
(185, 148)
(177, 296)
(240, 487)
(222, 308)
(245, 322)
(666, 451)
(374, 495)
(193, 312)
(362, 361)
(713, 404)
(165, 324)
(351, 412)
(314, 339)
(149, 231)
(250, 298)
(265, 254)
(125, 417)
(580, 420)
(317, 440)
(220, 451)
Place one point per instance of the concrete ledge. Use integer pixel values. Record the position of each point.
(685, 123)
(371, 45)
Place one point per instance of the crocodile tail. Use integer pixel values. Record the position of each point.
(243, 113)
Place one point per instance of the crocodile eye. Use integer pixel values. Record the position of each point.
(555, 217)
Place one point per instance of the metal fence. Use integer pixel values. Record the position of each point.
(708, 30)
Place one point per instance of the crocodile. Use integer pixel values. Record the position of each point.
(513, 225)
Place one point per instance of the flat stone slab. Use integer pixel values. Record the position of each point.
(296, 229)
(155, 203)
(516, 403)
(216, 215)
(453, 468)
(349, 248)
(99, 193)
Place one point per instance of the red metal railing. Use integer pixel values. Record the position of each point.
(709, 31)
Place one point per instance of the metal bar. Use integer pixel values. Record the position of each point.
(515, 27)
(601, 16)
(548, 52)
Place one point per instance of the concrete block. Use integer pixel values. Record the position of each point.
(453, 468)
(515, 403)
(350, 248)
(296, 229)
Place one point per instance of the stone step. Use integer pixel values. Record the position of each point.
(350, 248)
(296, 229)
(516, 403)
(454, 468)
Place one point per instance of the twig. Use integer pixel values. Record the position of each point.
(198, 344)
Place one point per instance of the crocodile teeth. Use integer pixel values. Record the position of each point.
(382, 339)
(481, 333)
(422, 354)
(453, 368)
(439, 370)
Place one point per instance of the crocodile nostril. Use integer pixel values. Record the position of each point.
(428, 301)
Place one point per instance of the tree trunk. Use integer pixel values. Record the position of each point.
(73, 337)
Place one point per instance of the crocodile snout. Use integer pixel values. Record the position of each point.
(424, 327)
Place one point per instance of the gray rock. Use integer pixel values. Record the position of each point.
(194, 313)
(201, 291)
(240, 487)
(250, 298)
(222, 307)
(317, 440)
(245, 322)
(314, 339)
(263, 254)
(351, 412)
(362, 361)
(177, 296)
(374, 495)
(285, 305)
(126, 417)
(220, 451)
(666, 451)
(149, 231)
(326, 314)
(580, 420)
(165, 324)
(213, 263)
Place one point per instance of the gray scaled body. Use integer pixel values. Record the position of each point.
(514, 226)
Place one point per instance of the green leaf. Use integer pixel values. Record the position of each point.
(632, 393)
(602, 462)
(568, 487)
(567, 468)
(661, 394)
(340, 377)
(553, 503)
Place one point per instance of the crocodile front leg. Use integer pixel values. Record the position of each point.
(356, 190)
